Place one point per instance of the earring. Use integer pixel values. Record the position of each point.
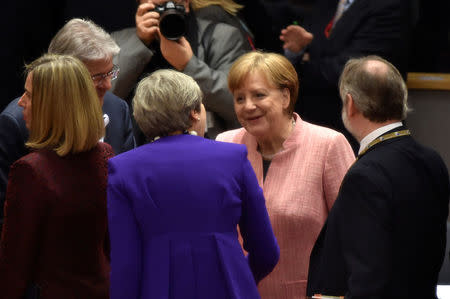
(198, 118)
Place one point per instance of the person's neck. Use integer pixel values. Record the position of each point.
(175, 133)
(271, 145)
(372, 126)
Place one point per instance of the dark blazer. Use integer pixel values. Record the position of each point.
(55, 229)
(385, 235)
(14, 134)
(367, 27)
(173, 210)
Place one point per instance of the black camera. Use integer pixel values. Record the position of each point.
(172, 20)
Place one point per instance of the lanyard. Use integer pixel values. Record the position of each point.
(385, 137)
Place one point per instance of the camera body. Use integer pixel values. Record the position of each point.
(172, 20)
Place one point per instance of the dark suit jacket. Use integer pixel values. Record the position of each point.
(367, 27)
(14, 134)
(385, 235)
(55, 230)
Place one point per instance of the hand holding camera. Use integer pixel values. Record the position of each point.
(147, 22)
(169, 16)
(176, 52)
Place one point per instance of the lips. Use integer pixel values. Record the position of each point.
(253, 118)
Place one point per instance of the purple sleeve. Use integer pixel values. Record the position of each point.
(255, 227)
(125, 239)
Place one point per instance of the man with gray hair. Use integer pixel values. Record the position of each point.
(385, 235)
(96, 49)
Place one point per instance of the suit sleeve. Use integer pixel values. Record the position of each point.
(125, 239)
(364, 227)
(255, 227)
(11, 149)
(225, 46)
(132, 59)
(25, 212)
(379, 33)
(339, 158)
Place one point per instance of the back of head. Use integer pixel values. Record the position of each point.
(66, 112)
(277, 69)
(84, 40)
(229, 6)
(163, 102)
(377, 88)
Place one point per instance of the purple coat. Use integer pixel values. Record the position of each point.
(174, 206)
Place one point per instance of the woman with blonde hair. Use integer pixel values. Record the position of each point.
(55, 227)
(299, 165)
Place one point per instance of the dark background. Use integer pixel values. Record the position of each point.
(28, 26)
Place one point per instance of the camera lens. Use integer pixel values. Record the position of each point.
(172, 24)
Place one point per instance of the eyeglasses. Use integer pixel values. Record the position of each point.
(112, 74)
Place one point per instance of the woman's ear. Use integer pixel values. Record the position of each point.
(286, 97)
(195, 115)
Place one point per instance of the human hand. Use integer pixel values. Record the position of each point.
(295, 38)
(177, 53)
(147, 22)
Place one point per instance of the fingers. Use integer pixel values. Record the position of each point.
(147, 22)
(145, 16)
(144, 8)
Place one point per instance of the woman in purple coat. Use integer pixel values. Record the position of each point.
(174, 204)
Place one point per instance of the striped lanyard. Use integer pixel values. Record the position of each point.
(385, 137)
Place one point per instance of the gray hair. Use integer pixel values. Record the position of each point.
(163, 102)
(379, 93)
(84, 40)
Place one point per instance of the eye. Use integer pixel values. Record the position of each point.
(260, 95)
(239, 99)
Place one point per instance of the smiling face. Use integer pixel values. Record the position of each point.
(25, 101)
(261, 107)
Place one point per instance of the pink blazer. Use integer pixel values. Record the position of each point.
(300, 188)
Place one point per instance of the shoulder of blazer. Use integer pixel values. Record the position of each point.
(112, 102)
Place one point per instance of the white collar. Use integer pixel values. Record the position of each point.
(347, 4)
(106, 122)
(374, 134)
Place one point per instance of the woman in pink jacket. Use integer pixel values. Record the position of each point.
(299, 165)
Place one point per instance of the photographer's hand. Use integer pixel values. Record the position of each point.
(177, 53)
(147, 22)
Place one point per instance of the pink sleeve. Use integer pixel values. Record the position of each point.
(339, 158)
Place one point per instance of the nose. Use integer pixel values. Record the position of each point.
(249, 105)
(105, 84)
(21, 101)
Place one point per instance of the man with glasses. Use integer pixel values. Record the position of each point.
(96, 49)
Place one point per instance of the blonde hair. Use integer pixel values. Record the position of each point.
(229, 6)
(66, 115)
(277, 70)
